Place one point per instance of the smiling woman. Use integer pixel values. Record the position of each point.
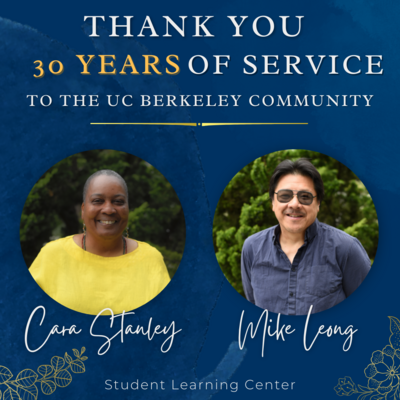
(101, 267)
(105, 213)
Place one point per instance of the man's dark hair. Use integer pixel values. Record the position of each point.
(107, 172)
(300, 167)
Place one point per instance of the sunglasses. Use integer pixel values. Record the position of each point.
(286, 195)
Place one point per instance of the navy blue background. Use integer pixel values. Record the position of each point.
(199, 163)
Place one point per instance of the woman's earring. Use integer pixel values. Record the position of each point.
(127, 232)
(84, 237)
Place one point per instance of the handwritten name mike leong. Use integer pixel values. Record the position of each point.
(280, 331)
(265, 324)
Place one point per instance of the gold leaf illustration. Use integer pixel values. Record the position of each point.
(83, 350)
(67, 358)
(383, 373)
(12, 385)
(84, 358)
(57, 362)
(29, 393)
(394, 339)
(394, 396)
(26, 378)
(48, 387)
(77, 367)
(10, 394)
(5, 374)
(63, 378)
(45, 370)
(23, 387)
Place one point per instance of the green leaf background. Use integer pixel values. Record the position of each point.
(52, 209)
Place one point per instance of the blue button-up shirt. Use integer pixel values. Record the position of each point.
(328, 267)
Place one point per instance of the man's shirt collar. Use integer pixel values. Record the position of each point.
(311, 232)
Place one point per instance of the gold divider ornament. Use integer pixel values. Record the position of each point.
(145, 123)
(252, 123)
(383, 373)
(199, 123)
(23, 387)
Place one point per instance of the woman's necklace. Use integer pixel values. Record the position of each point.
(84, 244)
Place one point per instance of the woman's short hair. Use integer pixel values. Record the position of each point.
(107, 172)
(300, 167)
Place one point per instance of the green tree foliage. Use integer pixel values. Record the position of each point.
(52, 209)
(245, 208)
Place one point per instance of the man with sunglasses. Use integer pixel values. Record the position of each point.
(301, 262)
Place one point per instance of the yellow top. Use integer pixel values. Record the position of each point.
(88, 283)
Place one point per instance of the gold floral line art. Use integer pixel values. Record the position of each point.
(23, 387)
(383, 373)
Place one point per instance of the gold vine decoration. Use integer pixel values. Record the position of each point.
(23, 387)
(383, 372)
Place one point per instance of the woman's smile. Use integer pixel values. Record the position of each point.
(105, 211)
